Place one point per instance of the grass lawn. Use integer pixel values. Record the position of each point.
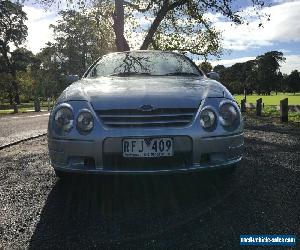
(272, 99)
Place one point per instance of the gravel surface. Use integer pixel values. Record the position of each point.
(14, 128)
(205, 210)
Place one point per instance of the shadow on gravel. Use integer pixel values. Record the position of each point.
(101, 211)
(167, 212)
(269, 128)
(252, 124)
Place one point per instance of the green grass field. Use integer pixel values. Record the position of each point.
(272, 99)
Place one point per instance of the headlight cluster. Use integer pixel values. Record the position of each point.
(228, 114)
(85, 121)
(64, 120)
(207, 118)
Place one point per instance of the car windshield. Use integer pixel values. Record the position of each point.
(144, 63)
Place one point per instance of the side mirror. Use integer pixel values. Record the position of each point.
(213, 75)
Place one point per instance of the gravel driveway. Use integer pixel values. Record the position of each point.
(204, 210)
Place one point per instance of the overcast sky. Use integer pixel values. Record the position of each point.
(242, 42)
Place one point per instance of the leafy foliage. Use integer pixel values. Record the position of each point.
(293, 81)
(50, 76)
(12, 27)
(80, 38)
(181, 25)
(261, 75)
(205, 66)
(13, 31)
(267, 70)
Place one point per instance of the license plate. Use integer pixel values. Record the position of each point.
(147, 147)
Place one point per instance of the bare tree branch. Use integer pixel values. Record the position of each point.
(158, 19)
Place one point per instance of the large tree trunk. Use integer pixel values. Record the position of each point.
(15, 86)
(118, 17)
(167, 6)
(154, 26)
(10, 96)
(16, 92)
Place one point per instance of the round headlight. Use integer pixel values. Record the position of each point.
(63, 119)
(228, 114)
(207, 118)
(85, 121)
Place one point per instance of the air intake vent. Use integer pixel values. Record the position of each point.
(167, 117)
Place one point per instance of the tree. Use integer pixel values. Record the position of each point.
(22, 61)
(249, 76)
(19, 61)
(278, 83)
(233, 78)
(219, 69)
(261, 75)
(80, 40)
(49, 77)
(293, 81)
(5, 85)
(12, 31)
(267, 71)
(173, 24)
(205, 66)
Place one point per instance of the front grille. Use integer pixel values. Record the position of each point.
(167, 117)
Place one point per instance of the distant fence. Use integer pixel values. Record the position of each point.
(292, 108)
(283, 108)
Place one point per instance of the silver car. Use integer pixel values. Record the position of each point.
(144, 112)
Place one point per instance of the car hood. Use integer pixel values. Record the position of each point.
(132, 92)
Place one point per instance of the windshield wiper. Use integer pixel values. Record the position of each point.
(181, 74)
(124, 74)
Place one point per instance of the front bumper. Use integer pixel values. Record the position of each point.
(103, 156)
